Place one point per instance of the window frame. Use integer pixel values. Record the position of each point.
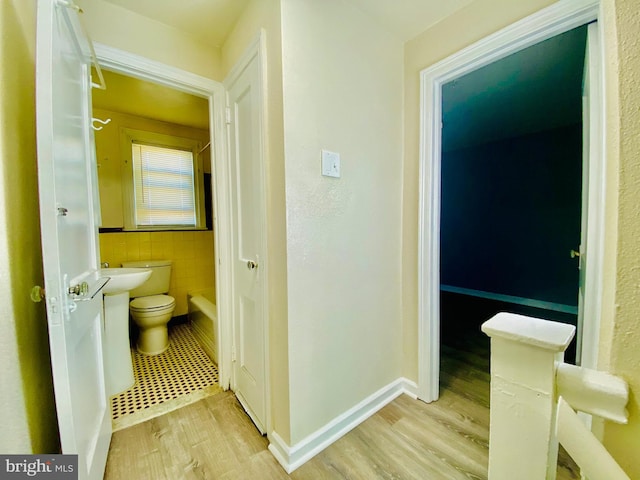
(130, 136)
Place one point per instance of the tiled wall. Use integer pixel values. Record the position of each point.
(191, 253)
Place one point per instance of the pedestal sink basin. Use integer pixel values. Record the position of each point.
(118, 365)
(123, 279)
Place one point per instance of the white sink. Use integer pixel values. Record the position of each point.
(118, 366)
(123, 279)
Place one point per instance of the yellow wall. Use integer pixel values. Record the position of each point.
(191, 252)
(110, 161)
(620, 341)
(123, 29)
(265, 15)
(133, 96)
(28, 415)
(621, 299)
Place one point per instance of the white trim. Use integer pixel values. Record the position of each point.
(292, 457)
(554, 20)
(253, 49)
(593, 257)
(143, 68)
(529, 302)
(262, 55)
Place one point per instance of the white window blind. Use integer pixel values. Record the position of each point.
(163, 186)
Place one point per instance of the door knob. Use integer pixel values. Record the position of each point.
(37, 294)
(251, 265)
(574, 253)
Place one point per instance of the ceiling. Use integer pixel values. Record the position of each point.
(536, 89)
(211, 21)
(408, 18)
(532, 90)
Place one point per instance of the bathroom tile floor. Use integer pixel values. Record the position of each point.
(183, 374)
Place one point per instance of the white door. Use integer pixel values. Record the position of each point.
(589, 261)
(248, 270)
(69, 237)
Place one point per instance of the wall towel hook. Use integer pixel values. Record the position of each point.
(103, 122)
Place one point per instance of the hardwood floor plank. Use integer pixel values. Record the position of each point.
(405, 440)
(457, 413)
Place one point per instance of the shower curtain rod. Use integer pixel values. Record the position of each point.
(204, 148)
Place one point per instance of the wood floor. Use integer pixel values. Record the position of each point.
(407, 439)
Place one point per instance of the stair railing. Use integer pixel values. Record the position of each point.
(533, 398)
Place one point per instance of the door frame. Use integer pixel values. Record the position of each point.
(143, 68)
(549, 22)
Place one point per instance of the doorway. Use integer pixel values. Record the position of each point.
(169, 222)
(70, 213)
(511, 183)
(550, 22)
(224, 187)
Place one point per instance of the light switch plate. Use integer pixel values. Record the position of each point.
(330, 164)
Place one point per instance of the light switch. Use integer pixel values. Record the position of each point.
(330, 164)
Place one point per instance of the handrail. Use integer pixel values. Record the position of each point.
(581, 444)
(593, 392)
(531, 393)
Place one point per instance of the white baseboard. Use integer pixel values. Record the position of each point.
(410, 388)
(292, 457)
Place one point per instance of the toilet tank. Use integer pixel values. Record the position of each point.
(158, 282)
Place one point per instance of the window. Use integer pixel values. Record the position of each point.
(164, 182)
(163, 186)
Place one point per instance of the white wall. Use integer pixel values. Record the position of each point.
(342, 89)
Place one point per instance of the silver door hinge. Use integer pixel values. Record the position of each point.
(227, 114)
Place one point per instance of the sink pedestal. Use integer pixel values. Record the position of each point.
(118, 364)
(117, 354)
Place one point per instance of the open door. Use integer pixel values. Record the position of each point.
(590, 259)
(248, 245)
(66, 173)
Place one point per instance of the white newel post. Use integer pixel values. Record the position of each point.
(524, 356)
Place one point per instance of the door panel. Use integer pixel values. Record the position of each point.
(245, 151)
(590, 260)
(69, 236)
(249, 358)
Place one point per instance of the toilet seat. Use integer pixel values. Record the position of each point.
(152, 303)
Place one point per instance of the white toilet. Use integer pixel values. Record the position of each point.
(151, 308)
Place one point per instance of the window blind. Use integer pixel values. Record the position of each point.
(164, 186)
